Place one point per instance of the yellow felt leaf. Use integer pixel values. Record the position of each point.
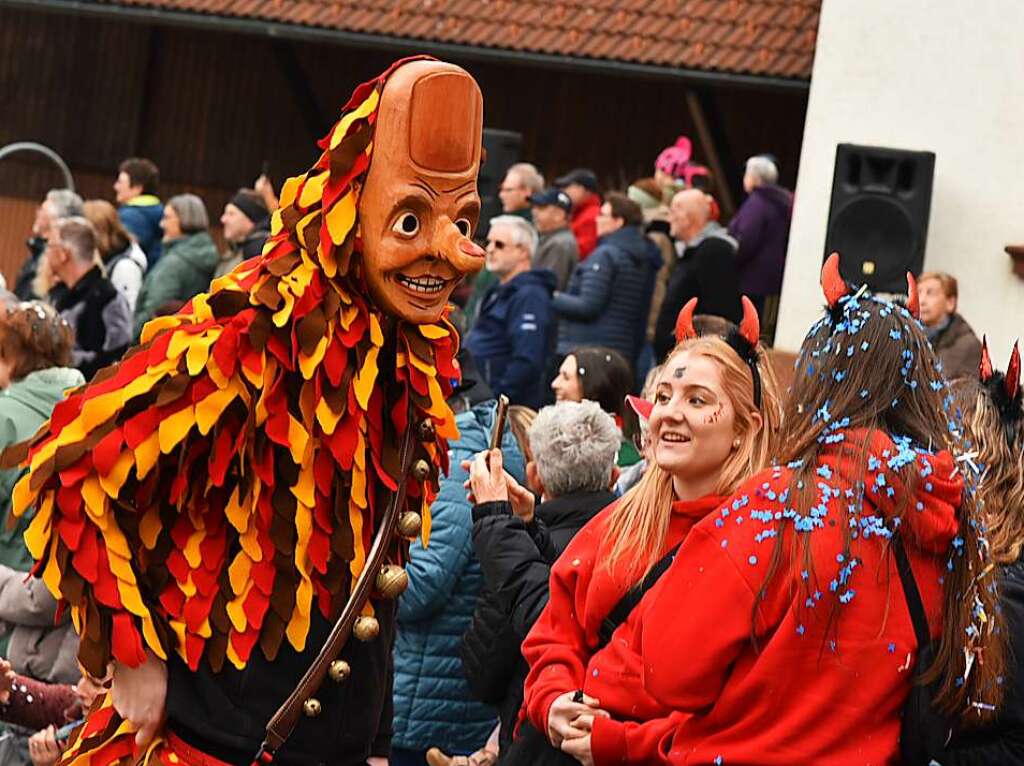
(38, 532)
(326, 417)
(178, 626)
(361, 111)
(313, 189)
(308, 364)
(236, 610)
(192, 554)
(327, 260)
(150, 528)
(298, 439)
(234, 659)
(366, 377)
(100, 409)
(238, 572)
(118, 545)
(305, 492)
(51, 573)
(425, 518)
(188, 587)
(151, 637)
(22, 496)
(146, 454)
(355, 519)
(433, 331)
(175, 427)
(289, 190)
(238, 510)
(199, 351)
(298, 625)
(95, 501)
(209, 409)
(341, 217)
(376, 333)
(113, 481)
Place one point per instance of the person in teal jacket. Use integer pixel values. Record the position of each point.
(432, 702)
(187, 264)
(35, 371)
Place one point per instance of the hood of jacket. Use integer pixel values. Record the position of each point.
(713, 229)
(927, 508)
(774, 196)
(632, 241)
(39, 391)
(576, 508)
(197, 249)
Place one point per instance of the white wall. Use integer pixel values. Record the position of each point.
(940, 75)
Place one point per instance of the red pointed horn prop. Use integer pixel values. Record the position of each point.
(750, 326)
(1013, 373)
(641, 407)
(913, 304)
(832, 282)
(684, 322)
(985, 368)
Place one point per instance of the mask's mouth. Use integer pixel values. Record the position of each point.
(425, 285)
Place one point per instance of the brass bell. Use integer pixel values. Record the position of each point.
(366, 628)
(392, 581)
(421, 470)
(409, 524)
(425, 430)
(312, 707)
(339, 671)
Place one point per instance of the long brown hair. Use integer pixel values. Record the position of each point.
(111, 235)
(637, 527)
(998, 447)
(869, 366)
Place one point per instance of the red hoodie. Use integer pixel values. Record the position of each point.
(816, 691)
(584, 224)
(560, 646)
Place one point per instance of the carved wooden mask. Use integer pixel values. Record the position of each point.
(420, 206)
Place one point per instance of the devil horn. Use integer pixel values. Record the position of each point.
(684, 322)
(832, 282)
(1013, 373)
(750, 326)
(985, 368)
(642, 407)
(913, 304)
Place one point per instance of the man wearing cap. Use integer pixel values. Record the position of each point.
(246, 223)
(557, 250)
(581, 186)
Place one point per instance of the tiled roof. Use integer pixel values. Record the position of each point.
(772, 38)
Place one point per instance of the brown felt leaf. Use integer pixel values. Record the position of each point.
(310, 330)
(343, 156)
(268, 295)
(228, 303)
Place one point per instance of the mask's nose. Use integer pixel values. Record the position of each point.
(456, 248)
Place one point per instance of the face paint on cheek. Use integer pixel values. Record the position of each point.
(679, 372)
(715, 416)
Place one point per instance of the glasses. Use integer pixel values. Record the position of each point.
(510, 188)
(498, 244)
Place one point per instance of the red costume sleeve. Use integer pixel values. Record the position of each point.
(557, 647)
(615, 742)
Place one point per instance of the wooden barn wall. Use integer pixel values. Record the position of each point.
(210, 107)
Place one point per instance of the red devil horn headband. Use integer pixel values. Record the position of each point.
(684, 322)
(913, 304)
(832, 282)
(1013, 373)
(985, 368)
(750, 326)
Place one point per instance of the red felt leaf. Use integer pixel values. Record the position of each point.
(107, 451)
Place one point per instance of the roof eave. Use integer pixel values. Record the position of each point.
(279, 30)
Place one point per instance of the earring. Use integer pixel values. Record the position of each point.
(736, 442)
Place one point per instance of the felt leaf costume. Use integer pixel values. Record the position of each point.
(223, 481)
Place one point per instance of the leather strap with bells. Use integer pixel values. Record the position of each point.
(301, 700)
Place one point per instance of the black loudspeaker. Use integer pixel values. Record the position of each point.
(502, 148)
(878, 219)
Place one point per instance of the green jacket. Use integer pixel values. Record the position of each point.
(183, 271)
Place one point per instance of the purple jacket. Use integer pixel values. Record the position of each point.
(761, 226)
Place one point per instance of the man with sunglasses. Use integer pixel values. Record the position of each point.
(513, 333)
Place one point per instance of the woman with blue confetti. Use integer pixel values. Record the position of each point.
(782, 633)
(994, 427)
(713, 423)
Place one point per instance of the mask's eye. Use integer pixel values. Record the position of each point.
(407, 225)
(463, 226)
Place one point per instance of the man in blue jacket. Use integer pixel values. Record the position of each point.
(609, 294)
(512, 336)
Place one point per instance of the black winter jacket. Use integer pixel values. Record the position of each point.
(609, 295)
(1003, 743)
(707, 272)
(516, 561)
(99, 314)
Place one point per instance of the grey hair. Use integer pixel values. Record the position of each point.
(78, 236)
(574, 445)
(523, 233)
(191, 212)
(529, 176)
(763, 169)
(66, 203)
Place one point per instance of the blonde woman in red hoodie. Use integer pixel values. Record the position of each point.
(783, 632)
(712, 424)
